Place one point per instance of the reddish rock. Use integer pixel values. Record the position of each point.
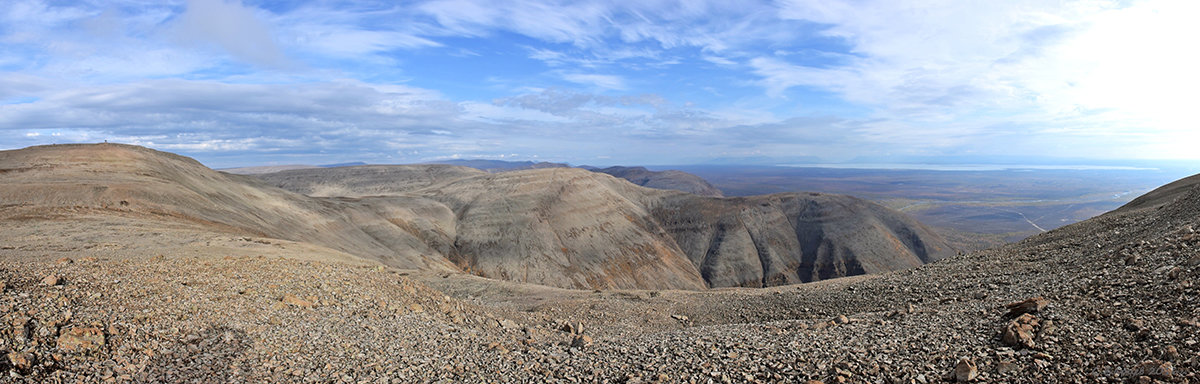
(81, 339)
(965, 371)
(20, 360)
(1019, 332)
(51, 280)
(295, 301)
(1031, 305)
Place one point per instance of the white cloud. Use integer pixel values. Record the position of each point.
(577, 24)
(1098, 71)
(233, 27)
(1072, 78)
(492, 113)
(348, 33)
(609, 82)
(28, 21)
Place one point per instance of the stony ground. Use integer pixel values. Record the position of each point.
(92, 298)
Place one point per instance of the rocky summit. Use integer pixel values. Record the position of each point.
(164, 271)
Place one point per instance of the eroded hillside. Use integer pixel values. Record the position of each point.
(558, 226)
(573, 228)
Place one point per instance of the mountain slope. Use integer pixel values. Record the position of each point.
(1164, 194)
(257, 170)
(367, 180)
(563, 227)
(130, 180)
(793, 237)
(669, 179)
(573, 228)
(494, 166)
(1119, 301)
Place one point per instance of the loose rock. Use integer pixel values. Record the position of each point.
(1019, 332)
(1157, 369)
(51, 280)
(1005, 367)
(296, 301)
(965, 370)
(20, 360)
(81, 339)
(1031, 305)
(581, 341)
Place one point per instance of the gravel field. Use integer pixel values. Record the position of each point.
(104, 298)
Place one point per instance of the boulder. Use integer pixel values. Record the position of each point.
(1019, 332)
(1031, 305)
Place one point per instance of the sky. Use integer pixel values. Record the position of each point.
(235, 83)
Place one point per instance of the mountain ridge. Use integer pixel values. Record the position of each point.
(718, 243)
(669, 179)
(563, 227)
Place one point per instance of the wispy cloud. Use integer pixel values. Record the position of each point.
(232, 27)
(597, 81)
(598, 78)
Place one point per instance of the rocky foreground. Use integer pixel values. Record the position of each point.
(91, 297)
(96, 294)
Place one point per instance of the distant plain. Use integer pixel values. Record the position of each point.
(972, 208)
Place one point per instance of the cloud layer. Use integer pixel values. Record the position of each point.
(602, 82)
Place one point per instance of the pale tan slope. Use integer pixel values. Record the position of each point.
(669, 180)
(258, 170)
(571, 228)
(562, 227)
(367, 180)
(50, 181)
(559, 226)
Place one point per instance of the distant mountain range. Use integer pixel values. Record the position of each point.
(494, 166)
(276, 168)
(669, 180)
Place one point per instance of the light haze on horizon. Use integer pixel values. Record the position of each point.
(235, 83)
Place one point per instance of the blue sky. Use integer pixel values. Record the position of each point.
(604, 82)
